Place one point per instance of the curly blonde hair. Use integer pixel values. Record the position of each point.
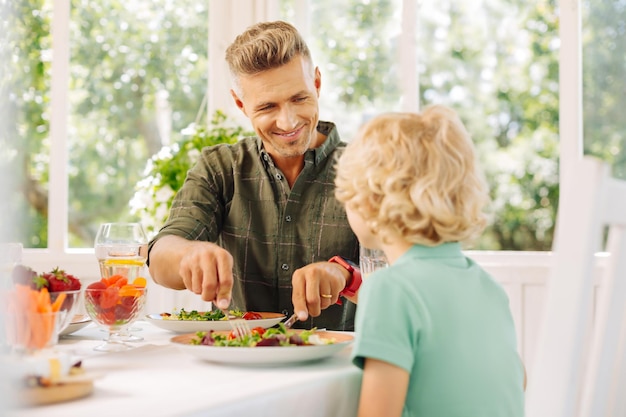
(415, 176)
(264, 46)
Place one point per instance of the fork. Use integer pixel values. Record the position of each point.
(291, 320)
(238, 325)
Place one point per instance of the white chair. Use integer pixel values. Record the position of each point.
(580, 358)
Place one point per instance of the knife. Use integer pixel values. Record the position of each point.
(291, 320)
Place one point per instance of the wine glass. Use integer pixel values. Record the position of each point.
(114, 308)
(121, 249)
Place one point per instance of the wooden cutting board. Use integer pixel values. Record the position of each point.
(55, 393)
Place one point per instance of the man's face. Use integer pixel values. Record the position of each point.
(282, 105)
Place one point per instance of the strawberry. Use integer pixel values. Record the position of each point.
(59, 280)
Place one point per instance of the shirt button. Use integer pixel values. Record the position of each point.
(287, 218)
(285, 267)
(265, 157)
(279, 177)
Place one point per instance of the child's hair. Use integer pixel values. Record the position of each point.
(264, 46)
(415, 176)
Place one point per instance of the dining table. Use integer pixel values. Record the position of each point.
(156, 378)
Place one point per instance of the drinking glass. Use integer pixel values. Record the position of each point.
(121, 249)
(114, 309)
(370, 260)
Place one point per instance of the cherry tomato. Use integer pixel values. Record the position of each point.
(258, 330)
(251, 315)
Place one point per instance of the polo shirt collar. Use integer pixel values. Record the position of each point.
(444, 250)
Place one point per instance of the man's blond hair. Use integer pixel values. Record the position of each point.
(265, 46)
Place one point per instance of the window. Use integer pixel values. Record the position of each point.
(496, 63)
(604, 48)
(133, 73)
(135, 77)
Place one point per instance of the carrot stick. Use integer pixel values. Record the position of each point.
(46, 328)
(44, 308)
(43, 301)
(38, 330)
(56, 306)
(33, 301)
(25, 298)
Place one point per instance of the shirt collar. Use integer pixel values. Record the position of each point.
(330, 144)
(444, 250)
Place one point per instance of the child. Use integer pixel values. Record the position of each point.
(434, 333)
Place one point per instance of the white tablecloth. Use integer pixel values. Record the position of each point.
(157, 379)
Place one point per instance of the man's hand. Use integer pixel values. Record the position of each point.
(316, 287)
(201, 267)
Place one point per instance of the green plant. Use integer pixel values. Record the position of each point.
(166, 171)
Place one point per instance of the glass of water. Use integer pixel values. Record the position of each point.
(122, 249)
(370, 260)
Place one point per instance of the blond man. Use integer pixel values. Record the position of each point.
(256, 225)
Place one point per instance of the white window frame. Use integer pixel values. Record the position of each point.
(82, 262)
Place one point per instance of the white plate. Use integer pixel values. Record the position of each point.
(78, 322)
(266, 354)
(186, 326)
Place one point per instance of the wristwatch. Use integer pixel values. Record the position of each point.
(354, 283)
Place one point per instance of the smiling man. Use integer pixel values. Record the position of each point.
(256, 225)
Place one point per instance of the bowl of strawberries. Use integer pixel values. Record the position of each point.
(64, 289)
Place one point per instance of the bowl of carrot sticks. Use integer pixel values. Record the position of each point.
(63, 289)
(32, 320)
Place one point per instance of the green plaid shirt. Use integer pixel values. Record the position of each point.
(236, 196)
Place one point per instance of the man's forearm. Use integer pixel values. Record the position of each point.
(165, 257)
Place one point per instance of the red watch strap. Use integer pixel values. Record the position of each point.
(355, 281)
(353, 284)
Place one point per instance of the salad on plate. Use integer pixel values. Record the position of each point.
(275, 336)
(214, 315)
